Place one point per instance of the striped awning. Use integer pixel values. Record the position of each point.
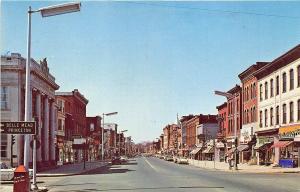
(195, 151)
(282, 144)
(243, 148)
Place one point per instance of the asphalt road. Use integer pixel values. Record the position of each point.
(152, 174)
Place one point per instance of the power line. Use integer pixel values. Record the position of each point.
(213, 10)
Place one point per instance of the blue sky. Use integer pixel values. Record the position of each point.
(152, 60)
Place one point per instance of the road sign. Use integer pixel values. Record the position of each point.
(19, 127)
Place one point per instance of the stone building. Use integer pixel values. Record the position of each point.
(43, 107)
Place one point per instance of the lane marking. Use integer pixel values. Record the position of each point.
(150, 164)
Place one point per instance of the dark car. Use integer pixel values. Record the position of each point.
(116, 160)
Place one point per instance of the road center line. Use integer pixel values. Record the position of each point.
(150, 164)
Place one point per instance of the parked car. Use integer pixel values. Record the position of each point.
(7, 172)
(169, 158)
(116, 160)
(123, 159)
(182, 160)
(175, 159)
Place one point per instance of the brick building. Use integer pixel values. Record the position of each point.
(75, 108)
(94, 136)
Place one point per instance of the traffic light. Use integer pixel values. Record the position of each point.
(13, 139)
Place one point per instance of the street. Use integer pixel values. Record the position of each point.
(152, 174)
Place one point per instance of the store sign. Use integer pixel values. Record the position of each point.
(289, 131)
(19, 127)
(246, 134)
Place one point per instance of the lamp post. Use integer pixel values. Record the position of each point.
(45, 12)
(102, 146)
(120, 140)
(232, 96)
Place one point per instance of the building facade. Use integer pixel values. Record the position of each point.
(279, 108)
(75, 129)
(94, 137)
(43, 108)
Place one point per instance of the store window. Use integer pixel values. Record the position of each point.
(284, 113)
(291, 112)
(291, 79)
(4, 98)
(283, 82)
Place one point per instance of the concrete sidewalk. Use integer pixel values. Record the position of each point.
(72, 169)
(245, 168)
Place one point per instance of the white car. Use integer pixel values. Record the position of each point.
(182, 160)
(7, 173)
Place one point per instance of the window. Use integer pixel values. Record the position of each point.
(254, 90)
(92, 127)
(271, 88)
(298, 103)
(277, 115)
(291, 79)
(298, 76)
(271, 116)
(260, 118)
(291, 112)
(254, 114)
(4, 98)
(266, 117)
(260, 92)
(266, 90)
(277, 85)
(3, 145)
(59, 124)
(284, 113)
(283, 82)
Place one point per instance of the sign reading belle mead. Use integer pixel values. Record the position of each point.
(20, 127)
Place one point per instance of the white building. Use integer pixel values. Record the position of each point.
(43, 106)
(279, 106)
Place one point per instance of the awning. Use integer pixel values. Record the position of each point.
(195, 151)
(282, 144)
(243, 148)
(230, 151)
(209, 149)
(263, 146)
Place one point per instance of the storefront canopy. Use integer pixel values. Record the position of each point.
(195, 151)
(230, 151)
(243, 148)
(282, 144)
(209, 149)
(264, 146)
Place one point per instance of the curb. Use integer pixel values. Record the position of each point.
(69, 174)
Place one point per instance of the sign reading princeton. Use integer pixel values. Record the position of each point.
(19, 127)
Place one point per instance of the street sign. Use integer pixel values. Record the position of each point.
(19, 127)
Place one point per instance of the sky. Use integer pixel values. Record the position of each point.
(151, 60)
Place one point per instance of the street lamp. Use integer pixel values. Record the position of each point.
(102, 146)
(45, 12)
(232, 96)
(120, 140)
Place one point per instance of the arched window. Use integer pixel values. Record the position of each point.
(266, 117)
(277, 85)
(291, 79)
(266, 90)
(277, 115)
(298, 103)
(271, 116)
(284, 113)
(291, 112)
(271, 88)
(298, 76)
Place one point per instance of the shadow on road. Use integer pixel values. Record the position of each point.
(151, 188)
(107, 170)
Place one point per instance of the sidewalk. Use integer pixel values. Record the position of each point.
(72, 169)
(244, 168)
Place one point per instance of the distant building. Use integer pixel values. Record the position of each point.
(43, 107)
(94, 136)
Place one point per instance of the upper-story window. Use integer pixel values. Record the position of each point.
(298, 76)
(266, 117)
(260, 118)
(271, 117)
(261, 92)
(284, 113)
(254, 114)
(4, 145)
(291, 79)
(283, 82)
(271, 88)
(92, 127)
(277, 85)
(4, 98)
(298, 103)
(266, 90)
(291, 112)
(277, 115)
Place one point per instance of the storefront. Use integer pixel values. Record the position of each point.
(289, 146)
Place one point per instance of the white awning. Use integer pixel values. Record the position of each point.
(195, 151)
